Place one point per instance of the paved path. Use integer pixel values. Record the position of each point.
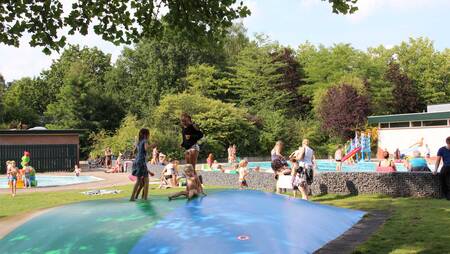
(109, 181)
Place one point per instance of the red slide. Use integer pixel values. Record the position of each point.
(351, 153)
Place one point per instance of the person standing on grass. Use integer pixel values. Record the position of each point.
(140, 166)
(11, 171)
(444, 175)
(108, 157)
(307, 160)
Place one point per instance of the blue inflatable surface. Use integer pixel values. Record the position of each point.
(247, 222)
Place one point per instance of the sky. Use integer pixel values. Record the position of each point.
(290, 22)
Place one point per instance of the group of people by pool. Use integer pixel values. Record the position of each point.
(24, 177)
(299, 174)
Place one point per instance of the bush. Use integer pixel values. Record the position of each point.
(222, 124)
(122, 140)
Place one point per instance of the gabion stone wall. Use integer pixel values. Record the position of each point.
(399, 184)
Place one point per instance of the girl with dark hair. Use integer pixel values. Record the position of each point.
(191, 135)
(140, 166)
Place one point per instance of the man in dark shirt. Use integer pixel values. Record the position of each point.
(444, 176)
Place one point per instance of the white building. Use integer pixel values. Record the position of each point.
(415, 131)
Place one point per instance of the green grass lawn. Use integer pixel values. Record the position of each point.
(415, 225)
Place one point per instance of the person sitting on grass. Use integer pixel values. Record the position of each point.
(243, 173)
(117, 166)
(169, 175)
(193, 185)
(417, 163)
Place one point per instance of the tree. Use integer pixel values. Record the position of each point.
(22, 102)
(124, 21)
(257, 80)
(343, 110)
(407, 99)
(157, 67)
(425, 67)
(208, 81)
(92, 62)
(81, 103)
(291, 79)
(121, 21)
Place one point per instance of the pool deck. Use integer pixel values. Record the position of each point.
(109, 181)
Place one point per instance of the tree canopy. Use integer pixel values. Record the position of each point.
(121, 21)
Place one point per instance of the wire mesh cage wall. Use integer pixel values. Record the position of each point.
(43, 158)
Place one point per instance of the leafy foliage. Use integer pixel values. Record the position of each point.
(124, 21)
(407, 98)
(157, 67)
(343, 110)
(122, 139)
(222, 123)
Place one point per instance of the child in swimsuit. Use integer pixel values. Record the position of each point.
(12, 173)
(193, 185)
(243, 173)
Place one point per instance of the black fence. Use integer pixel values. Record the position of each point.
(43, 157)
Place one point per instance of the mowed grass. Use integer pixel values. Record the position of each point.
(415, 225)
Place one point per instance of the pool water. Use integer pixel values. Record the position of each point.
(327, 165)
(50, 181)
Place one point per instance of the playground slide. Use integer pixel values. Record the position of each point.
(351, 153)
(408, 150)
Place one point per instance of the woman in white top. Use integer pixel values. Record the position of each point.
(306, 159)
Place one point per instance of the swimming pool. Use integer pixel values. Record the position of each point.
(327, 165)
(50, 181)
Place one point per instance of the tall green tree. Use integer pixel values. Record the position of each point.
(292, 75)
(22, 102)
(426, 67)
(258, 80)
(210, 82)
(82, 100)
(407, 99)
(157, 67)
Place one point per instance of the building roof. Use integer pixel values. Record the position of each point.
(41, 132)
(409, 117)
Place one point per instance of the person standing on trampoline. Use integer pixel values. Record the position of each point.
(191, 134)
(140, 166)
